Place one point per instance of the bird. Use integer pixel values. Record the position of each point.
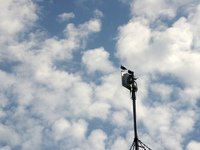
(123, 68)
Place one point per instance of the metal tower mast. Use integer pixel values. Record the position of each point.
(129, 82)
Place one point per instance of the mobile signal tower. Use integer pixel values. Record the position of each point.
(129, 82)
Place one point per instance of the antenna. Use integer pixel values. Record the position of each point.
(129, 82)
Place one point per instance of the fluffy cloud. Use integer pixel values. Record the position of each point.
(16, 16)
(158, 52)
(155, 9)
(62, 129)
(120, 118)
(163, 90)
(98, 13)
(152, 9)
(65, 16)
(79, 35)
(97, 60)
(119, 144)
(6, 148)
(193, 145)
(9, 136)
(168, 51)
(33, 89)
(112, 92)
(99, 110)
(96, 140)
(45, 102)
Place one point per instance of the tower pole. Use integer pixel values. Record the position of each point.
(129, 82)
(134, 120)
(134, 90)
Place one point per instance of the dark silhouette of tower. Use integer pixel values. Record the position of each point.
(129, 82)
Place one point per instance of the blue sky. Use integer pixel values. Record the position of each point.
(60, 76)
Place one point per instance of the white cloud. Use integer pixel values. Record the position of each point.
(163, 90)
(133, 40)
(98, 13)
(184, 124)
(44, 105)
(97, 60)
(93, 25)
(66, 16)
(71, 133)
(168, 51)
(6, 148)
(16, 16)
(154, 9)
(36, 96)
(9, 136)
(120, 118)
(193, 145)
(167, 59)
(33, 138)
(79, 129)
(96, 140)
(119, 144)
(80, 98)
(99, 110)
(79, 35)
(112, 92)
(61, 125)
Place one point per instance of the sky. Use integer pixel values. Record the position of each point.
(61, 80)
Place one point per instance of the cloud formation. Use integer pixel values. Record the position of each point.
(97, 60)
(66, 16)
(169, 54)
(34, 90)
(16, 16)
(47, 102)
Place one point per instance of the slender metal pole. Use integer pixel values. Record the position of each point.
(134, 120)
(134, 90)
(129, 82)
